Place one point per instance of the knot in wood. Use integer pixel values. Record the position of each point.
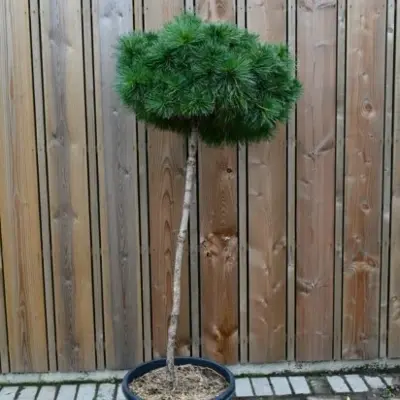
(367, 109)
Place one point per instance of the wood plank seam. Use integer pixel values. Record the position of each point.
(41, 143)
(93, 182)
(4, 348)
(386, 180)
(339, 184)
(291, 193)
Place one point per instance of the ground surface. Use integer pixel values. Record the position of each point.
(346, 387)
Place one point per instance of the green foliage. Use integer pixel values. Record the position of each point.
(215, 77)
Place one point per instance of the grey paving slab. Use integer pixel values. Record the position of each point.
(120, 394)
(28, 393)
(299, 385)
(106, 391)
(261, 387)
(47, 393)
(86, 391)
(319, 385)
(338, 384)
(281, 386)
(243, 387)
(356, 383)
(374, 382)
(66, 392)
(8, 393)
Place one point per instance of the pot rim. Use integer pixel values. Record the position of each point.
(151, 365)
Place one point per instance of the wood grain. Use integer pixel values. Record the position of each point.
(93, 183)
(363, 160)
(387, 177)
(43, 189)
(118, 184)
(394, 277)
(19, 198)
(63, 74)
(339, 186)
(267, 214)
(291, 202)
(218, 233)
(316, 123)
(243, 228)
(4, 362)
(166, 166)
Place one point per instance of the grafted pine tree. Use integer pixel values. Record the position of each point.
(209, 81)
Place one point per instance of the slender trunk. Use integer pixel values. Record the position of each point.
(173, 324)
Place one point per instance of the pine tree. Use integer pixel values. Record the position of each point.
(209, 81)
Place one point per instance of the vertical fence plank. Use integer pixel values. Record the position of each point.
(93, 182)
(4, 362)
(316, 52)
(118, 181)
(291, 202)
(63, 73)
(243, 225)
(340, 121)
(364, 134)
(19, 199)
(144, 214)
(194, 251)
(387, 175)
(394, 289)
(166, 166)
(43, 189)
(267, 214)
(218, 232)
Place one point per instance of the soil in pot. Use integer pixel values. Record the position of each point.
(192, 382)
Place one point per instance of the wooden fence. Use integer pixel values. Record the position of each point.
(294, 250)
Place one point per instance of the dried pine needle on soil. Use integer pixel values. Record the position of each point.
(192, 382)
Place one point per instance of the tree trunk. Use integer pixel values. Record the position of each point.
(176, 294)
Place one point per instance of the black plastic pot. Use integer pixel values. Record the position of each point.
(145, 368)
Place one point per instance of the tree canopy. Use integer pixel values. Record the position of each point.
(210, 76)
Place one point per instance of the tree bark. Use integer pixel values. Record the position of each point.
(176, 294)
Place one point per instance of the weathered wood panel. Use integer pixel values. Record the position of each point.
(43, 187)
(166, 169)
(4, 362)
(118, 181)
(19, 200)
(93, 183)
(291, 201)
(394, 288)
(387, 177)
(218, 232)
(316, 123)
(65, 120)
(339, 185)
(267, 214)
(364, 133)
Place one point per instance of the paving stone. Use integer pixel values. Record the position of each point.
(281, 386)
(8, 393)
(86, 391)
(319, 385)
(324, 397)
(243, 387)
(374, 382)
(47, 393)
(120, 393)
(106, 391)
(299, 385)
(338, 384)
(28, 393)
(261, 386)
(356, 383)
(66, 392)
(388, 380)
